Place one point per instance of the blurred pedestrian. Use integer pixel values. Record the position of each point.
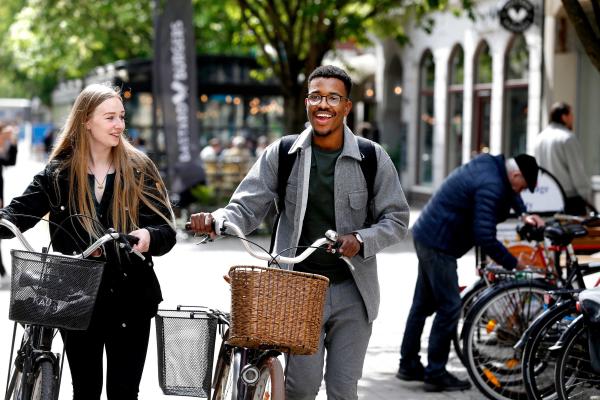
(8, 156)
(261, 144)
(212, 151)
(463, 212)
(557, 149)
(95, 180)
(49, 138)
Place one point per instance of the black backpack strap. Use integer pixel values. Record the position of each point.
(368, 164)
(286, 163)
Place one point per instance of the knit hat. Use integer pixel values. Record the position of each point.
(529, 168)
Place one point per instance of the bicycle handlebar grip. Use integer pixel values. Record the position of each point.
(188, 225)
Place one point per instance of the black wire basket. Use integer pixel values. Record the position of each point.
(186, 344)
(53, 290)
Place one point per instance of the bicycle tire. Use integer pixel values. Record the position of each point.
(43, 386)
(467, 299)
(506, 311)
(573, 366)
(227, 372)
(271, 383)
(538, 361)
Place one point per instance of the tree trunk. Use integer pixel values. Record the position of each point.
(294, 112)
(585, 32)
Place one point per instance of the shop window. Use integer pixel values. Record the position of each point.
(455, 110)
(426, 120)
(516, 93)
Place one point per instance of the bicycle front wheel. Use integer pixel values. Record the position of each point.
(493, 326)
(467, 299)
(227, 373)
(44, 385)
(271, 384)
(538, 361)
(575, 377)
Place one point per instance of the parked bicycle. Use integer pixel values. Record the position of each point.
(273, 312)
(502, 314)
(577, 372)
(49, 291)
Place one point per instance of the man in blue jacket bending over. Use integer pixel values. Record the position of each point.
(464, 212)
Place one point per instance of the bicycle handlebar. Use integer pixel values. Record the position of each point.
(125, 241)
(220, 226)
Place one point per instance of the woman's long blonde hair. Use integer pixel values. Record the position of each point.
(136, 177)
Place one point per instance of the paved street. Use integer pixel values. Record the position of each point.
(192, 274)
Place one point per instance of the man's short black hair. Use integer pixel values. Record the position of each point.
(331, 71)
(557, 111)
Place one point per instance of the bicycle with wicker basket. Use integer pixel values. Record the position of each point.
(273, 312)
(49, 291)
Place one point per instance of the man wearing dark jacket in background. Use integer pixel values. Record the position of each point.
(464, 212)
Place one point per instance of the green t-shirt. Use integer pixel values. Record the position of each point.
(320, 217)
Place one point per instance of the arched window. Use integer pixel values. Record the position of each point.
(516, 67)
(455, 109)
(482, 99)
(426, 120)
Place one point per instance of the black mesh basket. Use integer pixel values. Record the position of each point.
(186, 344)
(53, 290)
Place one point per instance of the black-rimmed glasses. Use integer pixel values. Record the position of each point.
(331, 99)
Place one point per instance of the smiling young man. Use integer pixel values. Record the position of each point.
(327, 189)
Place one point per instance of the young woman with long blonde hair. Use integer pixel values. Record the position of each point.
(95, 180)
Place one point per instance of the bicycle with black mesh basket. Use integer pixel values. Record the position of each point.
(248, 366)
(50, 291)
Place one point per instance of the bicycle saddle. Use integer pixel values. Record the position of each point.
(562, 235)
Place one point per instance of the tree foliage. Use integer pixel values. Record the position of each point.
(50, 40)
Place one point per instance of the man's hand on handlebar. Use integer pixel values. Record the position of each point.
(534, 219)
(347, 245)
(202, 223)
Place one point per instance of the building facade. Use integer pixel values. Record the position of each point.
(472, 87)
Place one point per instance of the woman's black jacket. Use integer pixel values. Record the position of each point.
(129, 289)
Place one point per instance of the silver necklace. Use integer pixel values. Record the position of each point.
(100, 185)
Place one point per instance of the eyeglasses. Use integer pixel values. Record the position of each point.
(331, 99)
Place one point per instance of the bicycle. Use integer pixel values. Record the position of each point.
(577, 373)
(264, 324)
(50, 291)
(501, 315)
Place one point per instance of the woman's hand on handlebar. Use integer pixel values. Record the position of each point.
(347, 245)
(202, 223)
(143, 243)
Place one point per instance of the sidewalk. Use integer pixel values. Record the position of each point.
(192, 275)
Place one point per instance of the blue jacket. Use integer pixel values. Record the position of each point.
(466, 209)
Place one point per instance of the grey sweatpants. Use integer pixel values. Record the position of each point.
(344, 337)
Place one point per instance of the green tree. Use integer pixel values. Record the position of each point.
(293, 36)
(50, 40)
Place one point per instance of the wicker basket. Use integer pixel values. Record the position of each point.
(276, 309)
